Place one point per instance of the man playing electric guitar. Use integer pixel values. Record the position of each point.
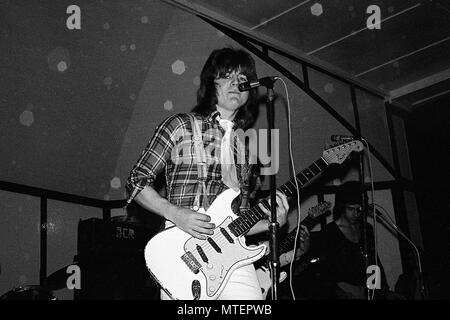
(195, 178)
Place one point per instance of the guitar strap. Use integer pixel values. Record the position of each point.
(200, 159)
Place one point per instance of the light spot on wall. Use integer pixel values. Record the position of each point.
(196, 80)
(107, 81)
(132, 96)
(106, 26)
(144, 19)
(23, 279)
(168, 105)
(396, 64)
(305, 119)
(178, 67)
(59, 59)
(115, 183)
(26, 118)
(220, 34)
(391, 9)
(351, 8)
(316, 9)
(62, 66)
(51, 227)
(132, 47)
(329, 88)
(123, 48)
(106, 197)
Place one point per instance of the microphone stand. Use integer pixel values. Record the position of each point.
(364, 212)
(419, 264)
(273, 225)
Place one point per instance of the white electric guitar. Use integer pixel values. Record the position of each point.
(187, 268)
(287, 244)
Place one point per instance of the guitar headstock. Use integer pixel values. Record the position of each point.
(338, 154)
(319, 209)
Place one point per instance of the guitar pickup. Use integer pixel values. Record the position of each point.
(202, 254)
(191, 262)
(226, 235)
(214, 245)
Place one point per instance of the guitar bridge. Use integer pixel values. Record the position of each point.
(191, 262)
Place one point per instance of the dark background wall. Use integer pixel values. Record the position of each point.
(429, 141)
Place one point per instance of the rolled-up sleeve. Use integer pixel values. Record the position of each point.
(153, 159)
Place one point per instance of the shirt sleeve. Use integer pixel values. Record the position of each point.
(154, 157)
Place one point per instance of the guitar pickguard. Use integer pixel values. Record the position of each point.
(218, 261)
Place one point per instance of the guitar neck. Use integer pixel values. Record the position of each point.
(287, 243)
(249, 218)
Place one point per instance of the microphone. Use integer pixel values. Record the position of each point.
(266, 81)
(341, 138)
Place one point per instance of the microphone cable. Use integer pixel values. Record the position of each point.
(372, 189)
(291, 158)
(391, 222)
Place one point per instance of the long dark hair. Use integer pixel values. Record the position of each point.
(348, 193)
(219, 63)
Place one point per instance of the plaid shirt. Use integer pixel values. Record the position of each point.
(181, 176)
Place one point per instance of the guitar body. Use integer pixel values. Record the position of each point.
(175, 262)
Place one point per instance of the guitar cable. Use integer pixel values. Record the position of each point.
(291, 158)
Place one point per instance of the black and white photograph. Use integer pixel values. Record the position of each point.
(248, 154)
